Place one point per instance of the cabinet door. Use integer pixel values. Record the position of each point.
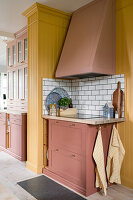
(2, 134)
(25, 50)
(21, 83)
(15, 84)
(67, 135)
(10, 85)
(67, 150)
(9, 56)
(14, 54)
(19, 51)
(68, 165)
(15, 139)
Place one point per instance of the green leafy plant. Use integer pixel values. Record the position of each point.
(64, 102)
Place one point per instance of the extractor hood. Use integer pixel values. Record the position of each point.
(89, 49)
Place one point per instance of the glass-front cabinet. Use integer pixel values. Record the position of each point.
(25, 50)
(15, 84)
(14, 54)
(10, 85)
(21, 84)
(19, 51)
(17, 54)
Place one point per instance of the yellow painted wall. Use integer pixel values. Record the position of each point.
(124, 64)
(47, 29)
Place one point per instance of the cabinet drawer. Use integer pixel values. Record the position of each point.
(67, 135)
(68, 165)
(3, 117)
(16, 119)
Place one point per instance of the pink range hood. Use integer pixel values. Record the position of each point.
(89, 49)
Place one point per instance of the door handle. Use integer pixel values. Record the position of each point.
(72, 124)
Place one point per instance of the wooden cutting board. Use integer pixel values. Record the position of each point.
(118, 99)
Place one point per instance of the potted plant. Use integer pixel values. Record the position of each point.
(64, 103)
(66, 109)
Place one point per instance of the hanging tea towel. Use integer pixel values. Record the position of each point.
(115, 157)
(98, 156)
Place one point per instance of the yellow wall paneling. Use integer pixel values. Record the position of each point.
(47, 28)
(124, 65)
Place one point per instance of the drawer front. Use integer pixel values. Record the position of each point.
(16, 119)
(67, 135)
(68, 165)
(3, 117)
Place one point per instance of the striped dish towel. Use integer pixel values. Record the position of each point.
(98, 156)
(115, 157)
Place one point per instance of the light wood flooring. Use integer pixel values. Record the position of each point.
(13, 171)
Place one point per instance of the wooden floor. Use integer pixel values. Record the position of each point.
(13, 171)
(115, 192)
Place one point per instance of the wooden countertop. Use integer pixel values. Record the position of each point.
(93, 121)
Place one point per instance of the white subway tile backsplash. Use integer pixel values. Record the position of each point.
(88, 95)
(85, 107)
(111, 81)
(99, 87)
(104, 81)
(96, 103)
(95, 92)
(84, 97)
(81, 92)
(103, 92)
(107, 87)
(107, 97)
(99, 97)
(92, 98)
(85, 87)
(92, 87)
(92, 107)
(88, 92)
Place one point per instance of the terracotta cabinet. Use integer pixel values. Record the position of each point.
(70, 149)
(13, 134)
(17, 136)
(66, 152)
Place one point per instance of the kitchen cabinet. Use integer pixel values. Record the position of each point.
(17, 71)
(3, 130)
(10, 85)
(70, 153)
(66, 152)
(21, 83)
(17, 136)
(11, 54)
(22, 49)
(13, 134)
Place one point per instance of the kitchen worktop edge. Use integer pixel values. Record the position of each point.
(93, 121)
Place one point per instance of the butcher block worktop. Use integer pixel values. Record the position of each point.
(91, 121)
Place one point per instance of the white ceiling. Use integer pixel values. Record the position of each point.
(11, 19)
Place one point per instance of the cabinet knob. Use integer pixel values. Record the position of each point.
(57, 122)
(73, 155)
(56, 149)
(72, 125)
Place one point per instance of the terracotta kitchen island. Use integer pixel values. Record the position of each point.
(68, 149)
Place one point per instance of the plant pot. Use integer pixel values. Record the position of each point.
(69, 112)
